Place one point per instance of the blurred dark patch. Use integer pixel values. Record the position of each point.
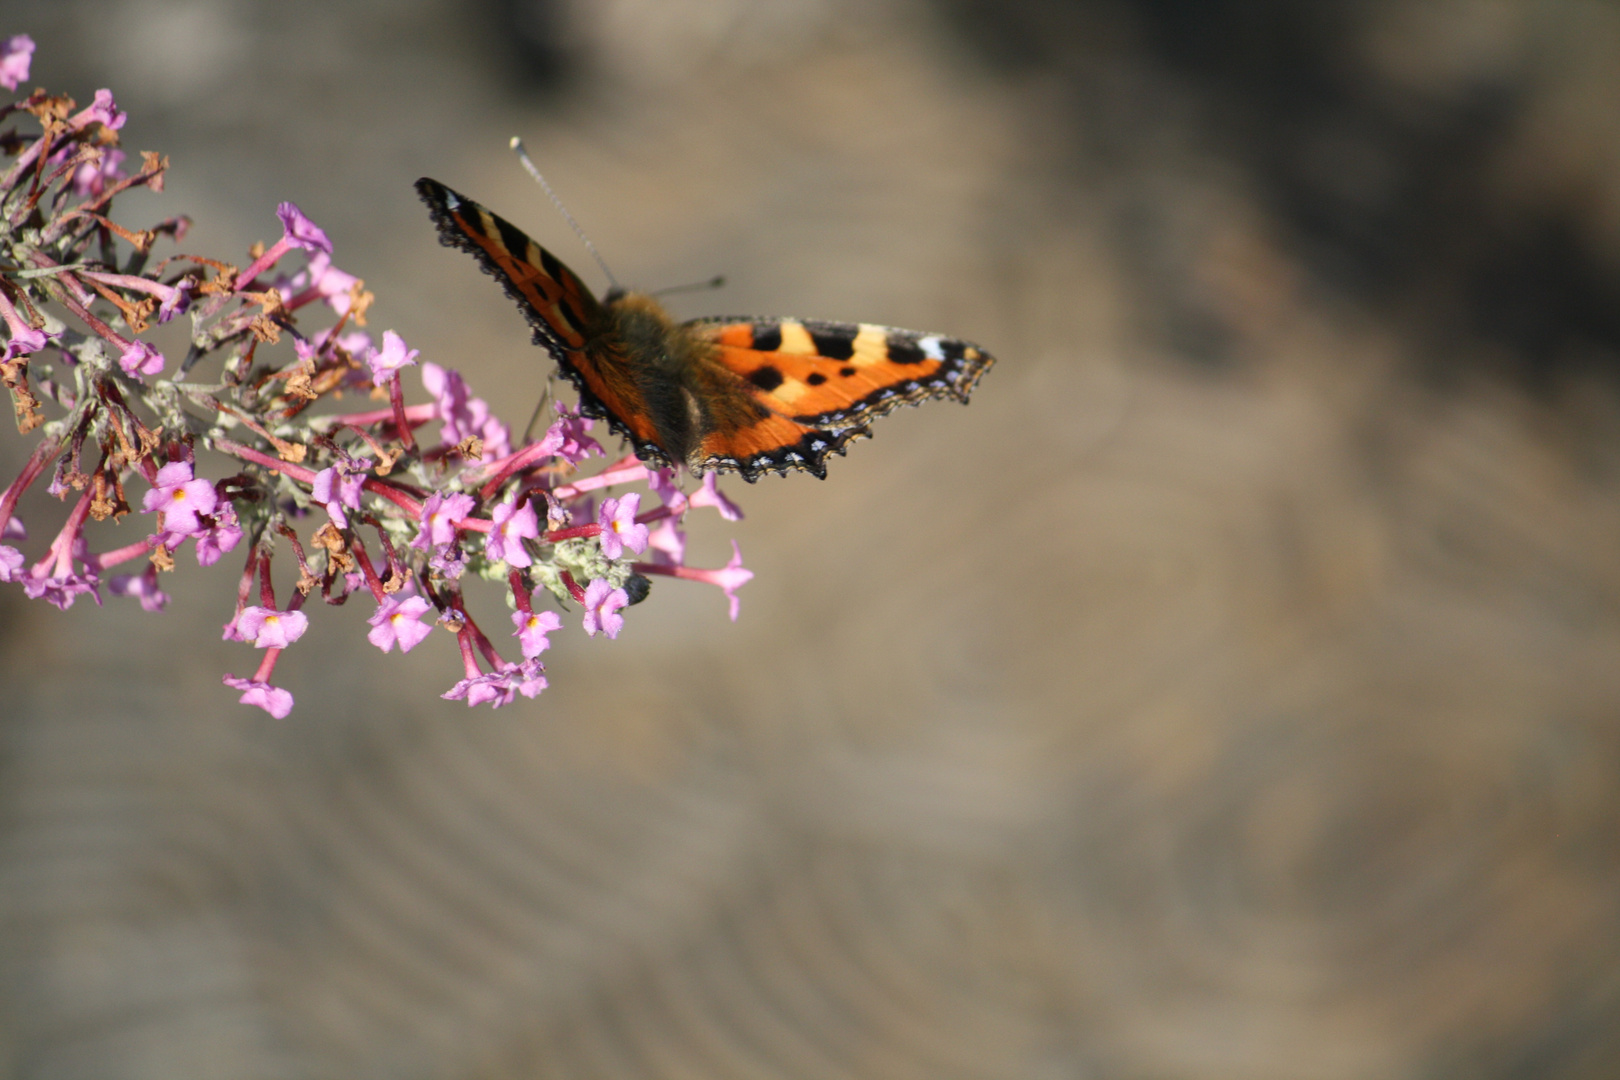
(532, 46)
(1382, 192)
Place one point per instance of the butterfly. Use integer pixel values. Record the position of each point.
(741, 394)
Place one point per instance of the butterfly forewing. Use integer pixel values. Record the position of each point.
(556, 303)
(558, 306)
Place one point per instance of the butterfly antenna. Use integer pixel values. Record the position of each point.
(539, 407)
(523, 156)
(716, 282)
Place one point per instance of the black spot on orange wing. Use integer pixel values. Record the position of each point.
(766, 377)
(905, 352)
(835, 342)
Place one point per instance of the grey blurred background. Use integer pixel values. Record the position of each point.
(1231, 691)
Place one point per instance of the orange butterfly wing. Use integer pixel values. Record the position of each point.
(565, 317)
(823, 382)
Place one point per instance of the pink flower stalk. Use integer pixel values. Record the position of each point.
(397, 621)
(297, 232)
(619, 527)
(173, 299)
(16, 54)
(729, 578)
(602, 603)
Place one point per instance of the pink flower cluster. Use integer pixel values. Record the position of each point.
(360, 500)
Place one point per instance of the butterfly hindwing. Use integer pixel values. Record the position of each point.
(842, 375)
(818, 384)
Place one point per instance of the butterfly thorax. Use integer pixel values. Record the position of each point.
(673, 369)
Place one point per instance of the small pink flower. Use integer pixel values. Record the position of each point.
(397, 622)
(574, 431)
(462, 414)
(667, 543)
(59, 586)
(732, 577)
(16, 53)
(91, 177)
(602, 604)
(532, 628)
(101, 110)
(530, 678)
(24, 341)
(387, 362)
(511, 526)
(709, 495)
(333, 285)
(141, 359)
(494, 689)
(143, 586)
(269, 629)
(219, 533)
(272, 699)
(440, 516)
(339, 486)
(11, 563)
(299, 231)
(619, 528)
(180, 499)
(661, 482)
